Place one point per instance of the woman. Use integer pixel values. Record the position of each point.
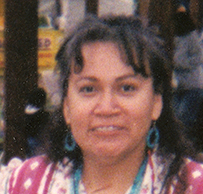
(115, 131)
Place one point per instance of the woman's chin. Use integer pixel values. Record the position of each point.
(110, 154)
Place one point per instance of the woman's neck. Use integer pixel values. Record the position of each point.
(111, 177)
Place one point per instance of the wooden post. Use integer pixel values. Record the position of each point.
(21, 27)
(161, 13)
(196, 10)
(143, 7)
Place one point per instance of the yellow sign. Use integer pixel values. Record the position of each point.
(49, 42)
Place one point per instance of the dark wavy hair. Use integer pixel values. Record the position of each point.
(145, 52)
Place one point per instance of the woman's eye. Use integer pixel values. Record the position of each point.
(128, 88)
(87, 89)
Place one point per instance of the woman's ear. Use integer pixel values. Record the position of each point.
(157, 108)
(66, 112)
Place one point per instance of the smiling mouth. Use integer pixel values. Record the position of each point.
(107, 128)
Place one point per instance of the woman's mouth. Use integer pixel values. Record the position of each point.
(107, 128)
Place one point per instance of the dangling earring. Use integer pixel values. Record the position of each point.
(153, 136)
(70, 143)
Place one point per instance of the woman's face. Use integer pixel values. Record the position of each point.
(109, 107)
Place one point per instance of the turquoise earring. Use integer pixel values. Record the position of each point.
(153, 137)
(70, 143)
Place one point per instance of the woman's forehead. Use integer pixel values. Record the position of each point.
(130, 56)
(117, 46)
(105, 57)
(97, 55)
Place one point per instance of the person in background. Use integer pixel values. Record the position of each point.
(115, 131)
(36, 118)
(188, 71)
(183, 20)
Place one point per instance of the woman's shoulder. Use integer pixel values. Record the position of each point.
(23, 176)
(193, 172)
(33, 175)
(6, 171)
(189, 177)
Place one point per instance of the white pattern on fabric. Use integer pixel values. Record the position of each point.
(61, 179)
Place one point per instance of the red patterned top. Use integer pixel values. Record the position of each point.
(39, 176)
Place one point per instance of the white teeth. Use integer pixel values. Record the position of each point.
(111, 128)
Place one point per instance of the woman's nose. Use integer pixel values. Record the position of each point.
(107, 105)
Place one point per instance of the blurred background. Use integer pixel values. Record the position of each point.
(31, 33)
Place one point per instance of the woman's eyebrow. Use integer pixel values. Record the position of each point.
(86, 78)
(128, 76)
(93, 79)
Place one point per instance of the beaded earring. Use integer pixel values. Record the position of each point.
(70, 143)
(153, 136)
